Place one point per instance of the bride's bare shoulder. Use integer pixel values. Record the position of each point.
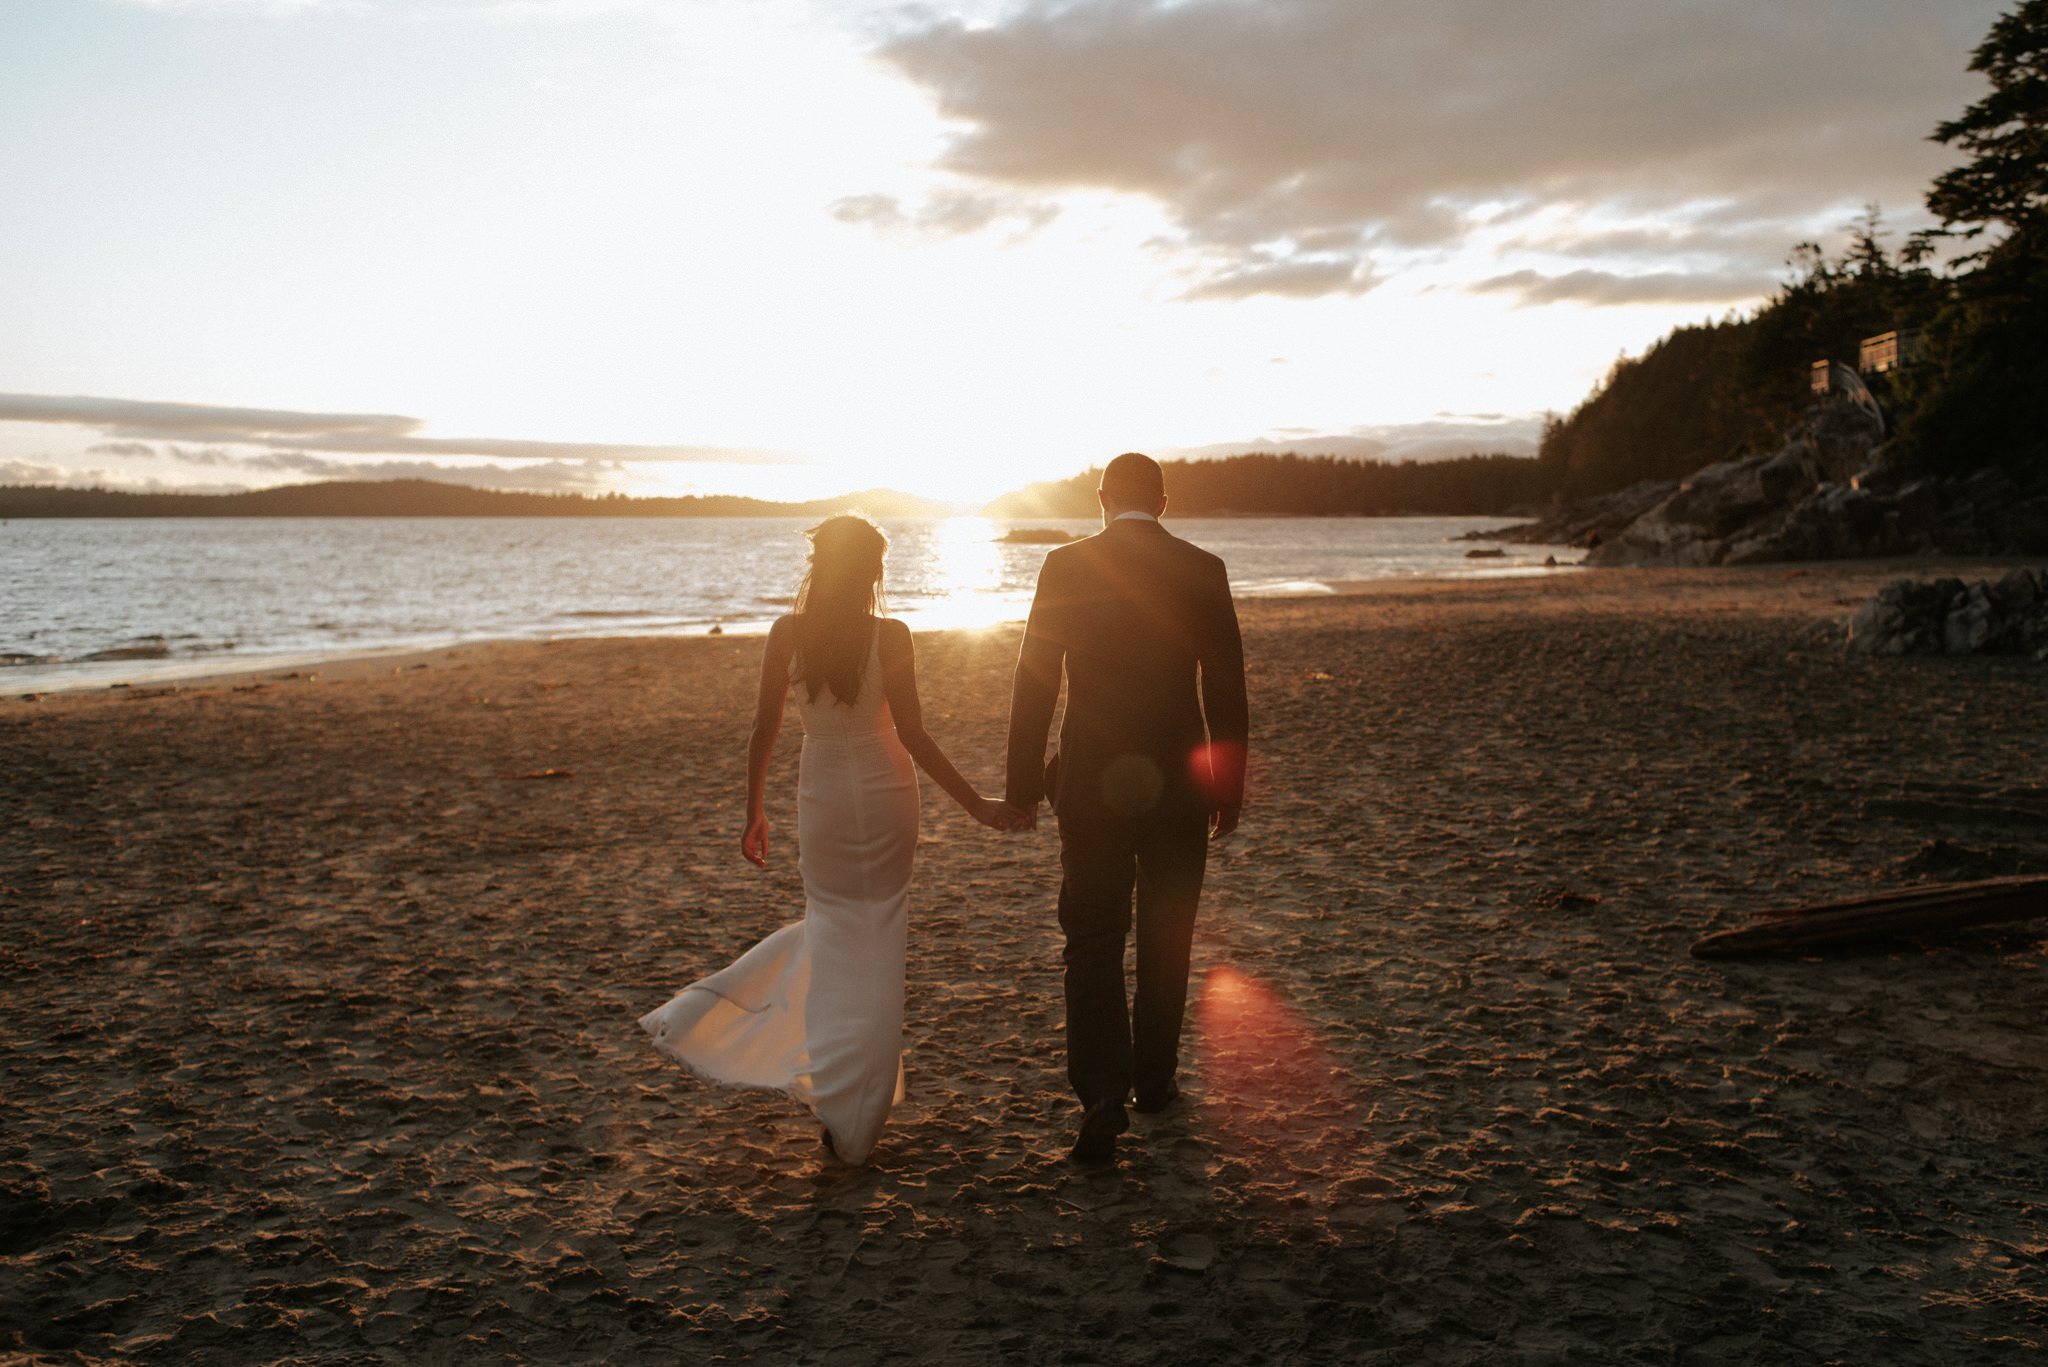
(892, 643)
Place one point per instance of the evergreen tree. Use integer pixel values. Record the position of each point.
(1662, 415)
(2006, 133)
(1982, 397)
(1823, 314)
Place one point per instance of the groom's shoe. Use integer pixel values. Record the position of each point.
(1101, 1123)
(1152, 1103)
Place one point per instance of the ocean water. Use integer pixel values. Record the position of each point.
(158, 598)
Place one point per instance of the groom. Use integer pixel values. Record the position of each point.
(1150, 767)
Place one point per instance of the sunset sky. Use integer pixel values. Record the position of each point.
(798, 247)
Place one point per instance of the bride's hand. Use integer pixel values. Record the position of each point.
(754, 843)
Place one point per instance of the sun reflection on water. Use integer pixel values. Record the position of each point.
(967, 577)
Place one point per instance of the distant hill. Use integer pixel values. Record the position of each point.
(429, 498)
(1290, 485)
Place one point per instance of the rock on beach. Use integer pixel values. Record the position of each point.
(1950, 617)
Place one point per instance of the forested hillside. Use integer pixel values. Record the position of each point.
(1721, 390)
(1978, 398)
(1327, 486)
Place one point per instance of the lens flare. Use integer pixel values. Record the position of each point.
(1277, 1099)
(1217, 769)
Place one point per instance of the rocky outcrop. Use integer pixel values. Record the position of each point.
(1949, 617)
(1733, 513)
(1586, 522)
(1821, 496)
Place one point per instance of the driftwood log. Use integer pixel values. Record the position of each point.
(1914, 911)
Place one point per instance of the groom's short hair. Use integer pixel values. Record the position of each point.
(1133, 481)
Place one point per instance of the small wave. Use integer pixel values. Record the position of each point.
(606, 612)
(156, 652)
(8, 659)
(1281, 588)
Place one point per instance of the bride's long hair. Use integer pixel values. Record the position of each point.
(837, 603)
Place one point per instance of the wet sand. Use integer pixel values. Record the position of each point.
(318, 1020)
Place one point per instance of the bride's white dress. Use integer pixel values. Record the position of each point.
(816, 1009)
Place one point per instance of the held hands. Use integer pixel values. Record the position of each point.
(1001, 816)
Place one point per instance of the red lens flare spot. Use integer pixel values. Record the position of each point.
(1217, 768)
(1277, 1098)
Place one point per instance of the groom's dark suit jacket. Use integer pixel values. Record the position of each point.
(1143, 625)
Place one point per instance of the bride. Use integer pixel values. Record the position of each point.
(816, 1009)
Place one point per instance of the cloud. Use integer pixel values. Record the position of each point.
(1288, 279)
(24, 472)
(554, 476)
(1439, 439)
(1606, 287)
(1335, 133)
(947, 214)
(71, 476)
(135, 450)
(131, 420)
(260, 6)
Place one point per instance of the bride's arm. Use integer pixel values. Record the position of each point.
(899, 686)
(774, 693)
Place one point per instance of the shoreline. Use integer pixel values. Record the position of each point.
(275, 600)
(45, 678)
(220, 670)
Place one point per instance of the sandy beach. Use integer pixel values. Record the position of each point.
(318, 1021)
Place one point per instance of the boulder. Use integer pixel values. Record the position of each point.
(1949, 617)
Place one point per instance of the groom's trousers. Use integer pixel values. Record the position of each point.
(1110, 869)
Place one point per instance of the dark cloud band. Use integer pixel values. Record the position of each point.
(134, 420)
(1606, 287)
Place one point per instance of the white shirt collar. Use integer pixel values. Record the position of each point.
(1134, 515)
